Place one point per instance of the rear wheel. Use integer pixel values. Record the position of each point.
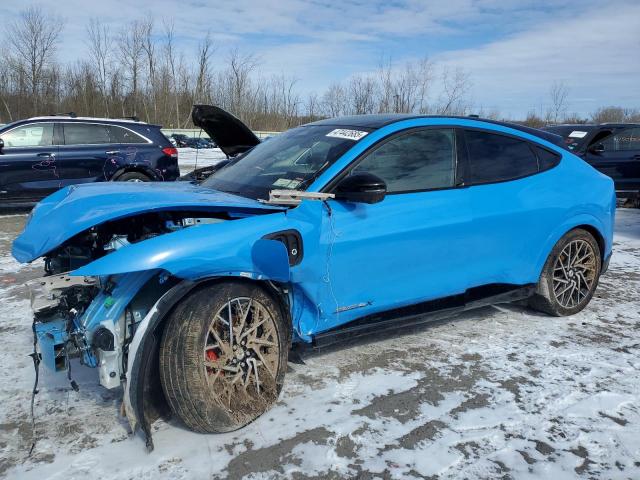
(133, 177)
(223, 356)
(570, 275)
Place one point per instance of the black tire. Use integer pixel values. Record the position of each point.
(133, 177)
(552, 296)
(203, 397)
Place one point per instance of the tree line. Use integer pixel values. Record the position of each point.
(140, 71)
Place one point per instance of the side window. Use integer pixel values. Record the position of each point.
(85, 134)
(628, 139)
(420, 160)
(123, 135)
(495, 158)
(31, 135)
(546, 158)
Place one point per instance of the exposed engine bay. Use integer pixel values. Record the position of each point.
(103, 239)
(95, 318)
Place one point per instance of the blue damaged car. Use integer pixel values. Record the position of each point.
(191, 296)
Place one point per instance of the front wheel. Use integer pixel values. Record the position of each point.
(223, 356)
(570, 275)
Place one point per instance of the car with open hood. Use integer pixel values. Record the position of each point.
(193, 296)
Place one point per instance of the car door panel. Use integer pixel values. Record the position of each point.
(29, 171)
(409, 248)
(85, 153)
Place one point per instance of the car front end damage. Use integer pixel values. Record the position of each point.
(111, 271)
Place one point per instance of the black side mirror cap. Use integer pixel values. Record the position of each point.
(362, 187)
(1, 144)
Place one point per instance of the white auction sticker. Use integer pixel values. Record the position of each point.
(577, 134)
(347, 134)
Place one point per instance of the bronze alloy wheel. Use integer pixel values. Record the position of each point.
(241, 356)
(574, 273)
(223, 355)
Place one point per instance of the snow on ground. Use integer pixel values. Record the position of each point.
(496, 393)
(190, 158)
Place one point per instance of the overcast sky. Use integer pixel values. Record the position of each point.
(513, 50)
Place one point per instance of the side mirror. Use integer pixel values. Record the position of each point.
(597, 148)
(1, 144)
(361, 187)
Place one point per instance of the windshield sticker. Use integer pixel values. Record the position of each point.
(286, 183)
(347, 134)
(578, 134)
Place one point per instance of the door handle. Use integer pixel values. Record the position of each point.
(48, 155)
(112, 152)
(636, 157)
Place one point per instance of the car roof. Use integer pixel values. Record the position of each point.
(70, 118)
(376, 121)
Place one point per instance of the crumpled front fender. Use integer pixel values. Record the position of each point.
(232, 248)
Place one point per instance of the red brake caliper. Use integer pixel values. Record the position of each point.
(212, 357)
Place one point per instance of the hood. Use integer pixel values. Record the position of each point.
(74, 209)
(230, 134)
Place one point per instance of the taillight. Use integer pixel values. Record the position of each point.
(170, 152)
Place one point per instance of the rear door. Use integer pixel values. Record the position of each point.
(29, 168)
(83, 156)
(514, 206)
(619, 158)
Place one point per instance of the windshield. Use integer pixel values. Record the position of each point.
(289, 161)
(573, 135)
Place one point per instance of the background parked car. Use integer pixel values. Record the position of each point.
(181, 140)
(198, 143)
(43, 154)
(612, 148)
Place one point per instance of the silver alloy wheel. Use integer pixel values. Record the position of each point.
(134, 180)
(241, 357)
(574, 273)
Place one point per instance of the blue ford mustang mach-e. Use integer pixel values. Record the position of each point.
(193, 294)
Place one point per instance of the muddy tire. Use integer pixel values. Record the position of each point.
(133, 177)
(570, 275)
(219, 381)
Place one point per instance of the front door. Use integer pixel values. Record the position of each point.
(409, 248)
(29, 167)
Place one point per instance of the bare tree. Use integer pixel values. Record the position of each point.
(455, 87)
(32, 40)
(334, 100)
(131, 44)
(361, 92)
(205, 50)
(558, 94)
(100, 46)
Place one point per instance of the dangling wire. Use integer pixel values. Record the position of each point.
(36, 365)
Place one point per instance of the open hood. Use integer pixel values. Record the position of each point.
(230, 134)
(77, 208)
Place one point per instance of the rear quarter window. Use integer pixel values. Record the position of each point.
(546, 158)
(497, 158)
(124, 135)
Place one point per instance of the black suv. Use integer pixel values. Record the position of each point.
(612, 148)
(43, 154)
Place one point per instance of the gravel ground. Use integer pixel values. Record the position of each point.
(501, 392)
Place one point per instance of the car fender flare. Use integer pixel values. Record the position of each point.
(149, 172)
(569, 224)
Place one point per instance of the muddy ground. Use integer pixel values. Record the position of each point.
(501, 392)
